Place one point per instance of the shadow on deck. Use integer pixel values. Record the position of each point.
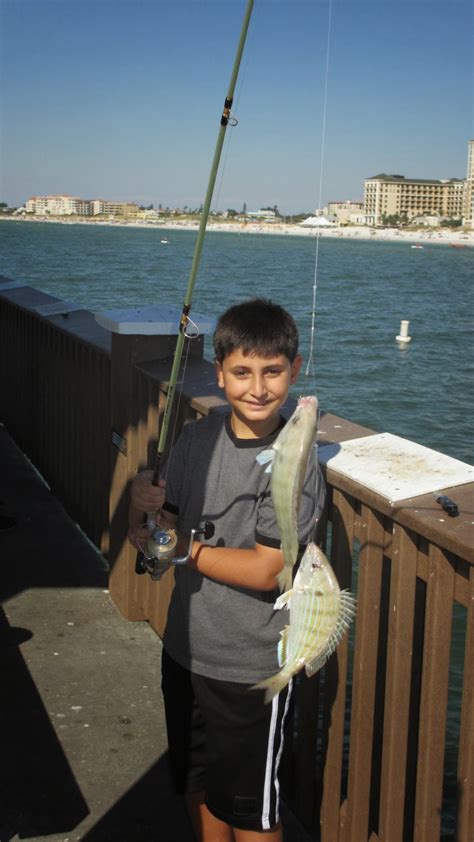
(83, 734)
(84, 751)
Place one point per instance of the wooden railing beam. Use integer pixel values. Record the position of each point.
(335, 676)
(364, 677)
(434, 696)
(398, 685)
(465, 802)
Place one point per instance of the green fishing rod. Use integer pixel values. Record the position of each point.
(161, 544)
(178, 353)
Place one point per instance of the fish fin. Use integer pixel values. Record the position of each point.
(313, 666)
(345, 616)
(283, 600)
(285, 579)
(266, 456)
(282, 650)
(348, 607)
(272, 685)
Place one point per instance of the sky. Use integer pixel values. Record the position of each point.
(121, 99)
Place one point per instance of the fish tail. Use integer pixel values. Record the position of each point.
(285, 579)
(272, 685)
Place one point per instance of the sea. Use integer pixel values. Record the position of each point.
(423, 390)
(362, 291)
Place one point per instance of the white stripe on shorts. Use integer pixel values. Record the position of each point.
(271, 772)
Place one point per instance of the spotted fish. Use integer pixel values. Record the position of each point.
(320, 613)
(289, 459)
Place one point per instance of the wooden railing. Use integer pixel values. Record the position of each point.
(55, 399)
(376, 717)
(382, 741)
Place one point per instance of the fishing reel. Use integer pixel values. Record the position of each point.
(160, 546)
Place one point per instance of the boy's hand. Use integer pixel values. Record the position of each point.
(144, 495)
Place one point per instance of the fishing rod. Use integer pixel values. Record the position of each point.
(161, 543)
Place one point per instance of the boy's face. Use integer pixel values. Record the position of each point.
(256, 387)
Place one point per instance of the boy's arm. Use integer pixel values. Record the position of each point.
(144, 497)
(255, 568)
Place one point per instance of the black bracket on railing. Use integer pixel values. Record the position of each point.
(448, 505)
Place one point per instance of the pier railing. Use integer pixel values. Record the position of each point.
(382, 740)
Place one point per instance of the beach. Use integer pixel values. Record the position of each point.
(359, 232)
(459, 237)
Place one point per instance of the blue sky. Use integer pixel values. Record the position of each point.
(120, 99)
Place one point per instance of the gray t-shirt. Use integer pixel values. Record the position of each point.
(213, 629)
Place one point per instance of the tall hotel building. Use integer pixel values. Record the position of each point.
(395, 195)
(469, 192)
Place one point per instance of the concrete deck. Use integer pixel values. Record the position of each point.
(83, 741)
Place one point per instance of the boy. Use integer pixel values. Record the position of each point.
(222, 632)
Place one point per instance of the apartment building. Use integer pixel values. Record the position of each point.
(57, 206)
(104, 207)
(345, 212)
(74, 206)
(468, 217)
(395, 195)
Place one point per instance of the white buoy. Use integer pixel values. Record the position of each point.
(403, 335)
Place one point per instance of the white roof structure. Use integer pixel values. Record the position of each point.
(316, 222)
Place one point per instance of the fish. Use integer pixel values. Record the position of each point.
(288, 458)
(320, 614)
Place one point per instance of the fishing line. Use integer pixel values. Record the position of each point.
(184, 334)
(191, 331)
(310, 364)
(184, 319)
(233, 121)
(180, 383)
(223, 169)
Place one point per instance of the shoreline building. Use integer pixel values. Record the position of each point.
(345, 213)
(64, 205)
(105, 207)
(394, 195)
(468, 215)
(263, 214)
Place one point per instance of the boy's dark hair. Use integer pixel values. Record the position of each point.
(258, 327)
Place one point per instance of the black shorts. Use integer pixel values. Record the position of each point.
(224, 741)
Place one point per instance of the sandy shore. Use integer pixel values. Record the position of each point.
(457, 237)
(350, 232)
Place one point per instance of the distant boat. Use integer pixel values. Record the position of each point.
(458, 245)
(417, 246)
(164, 240)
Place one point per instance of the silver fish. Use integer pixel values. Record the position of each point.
(320, 613)
(289, 454)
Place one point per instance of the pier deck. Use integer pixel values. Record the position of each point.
(84, 751)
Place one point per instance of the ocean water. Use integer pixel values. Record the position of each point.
(364, 289)
(423, 391)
